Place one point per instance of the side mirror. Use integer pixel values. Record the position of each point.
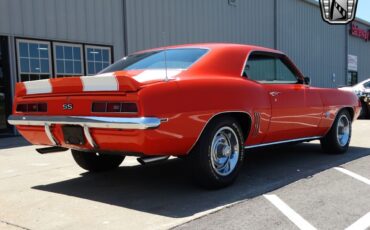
(307, 80)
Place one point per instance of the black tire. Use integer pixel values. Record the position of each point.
(364, 111)
(331, 143)
(96, 163)
(202, 166)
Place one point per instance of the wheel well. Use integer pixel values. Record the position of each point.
(351, 112)
(243, 119)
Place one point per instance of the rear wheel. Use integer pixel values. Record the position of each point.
(218, 156)
(94, 162)
(339, 136)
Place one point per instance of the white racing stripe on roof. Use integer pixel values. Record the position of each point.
(102, 82)
(156, 74)
(38, 87)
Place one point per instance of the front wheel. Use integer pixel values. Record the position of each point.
(364, 110)
(218, 156)
(338, 139)
(94, 162)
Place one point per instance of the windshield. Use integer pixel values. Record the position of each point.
(160, 59)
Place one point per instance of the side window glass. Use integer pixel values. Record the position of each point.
(367, 85)
(268, 69)
(284, 74)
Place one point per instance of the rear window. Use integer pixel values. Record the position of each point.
(172, 59)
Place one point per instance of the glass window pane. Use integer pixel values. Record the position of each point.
(44, 76)
(60, 67)
(77, 67)
(34, 77)
(283, 73)
(44, 51)
(98, 54)
(68, 52)
(34, 50)
(45, 66)
(77, 53)
(25, 65)
(98, 66)
(105, 56)
(90, 54)
(25, 77)
(35, 66)
(69, 67)
(105, 65)
(90, 68)
(23, 49)
(59, 52)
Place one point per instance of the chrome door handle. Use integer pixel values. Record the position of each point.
(274, 94)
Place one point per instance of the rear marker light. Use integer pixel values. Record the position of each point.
(129, 108)
(32, 108)
(99, 107)
(114, 107)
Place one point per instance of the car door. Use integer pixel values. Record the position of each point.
(294, 112)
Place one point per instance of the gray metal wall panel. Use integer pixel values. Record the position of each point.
(361, 49)
(86, 21)
(320, 50)
(156, 23)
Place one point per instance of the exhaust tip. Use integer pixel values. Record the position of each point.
(147, 160)
(53, 149)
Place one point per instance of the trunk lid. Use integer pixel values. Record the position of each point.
(121, 81)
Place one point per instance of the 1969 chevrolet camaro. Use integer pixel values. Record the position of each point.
(207, 103)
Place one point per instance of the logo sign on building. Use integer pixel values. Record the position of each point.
(338, 11)
(352, 63)
(360, 33)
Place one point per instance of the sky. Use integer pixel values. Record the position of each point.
(363, 10)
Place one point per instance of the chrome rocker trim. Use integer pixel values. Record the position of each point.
(141, 123)
(284, 142)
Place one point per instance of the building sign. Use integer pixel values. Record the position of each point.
(338, 11)
(360, 33)
(352, 63)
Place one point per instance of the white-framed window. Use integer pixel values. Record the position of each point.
(97, 58)
(34, 60)
(68, 60)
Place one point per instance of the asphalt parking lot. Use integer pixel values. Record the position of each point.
(289, 187)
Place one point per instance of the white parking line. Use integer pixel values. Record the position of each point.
(362, 224)
(354, 175)
(290, 213)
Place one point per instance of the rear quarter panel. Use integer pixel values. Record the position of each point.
(189, 104)
(335, 100)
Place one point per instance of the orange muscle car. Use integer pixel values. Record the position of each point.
(207, 103)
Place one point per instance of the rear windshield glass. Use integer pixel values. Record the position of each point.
(160, 59)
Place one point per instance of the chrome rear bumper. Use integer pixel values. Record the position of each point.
(141, 123)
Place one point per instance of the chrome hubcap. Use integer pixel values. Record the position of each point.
(225, 151)
(343, 130)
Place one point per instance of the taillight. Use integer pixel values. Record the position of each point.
(32, 108)
(114, 107)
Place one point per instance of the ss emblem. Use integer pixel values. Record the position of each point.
(67, 106)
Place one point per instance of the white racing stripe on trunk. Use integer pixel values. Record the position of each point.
(156, 74)
(38, 87)
(103, 82)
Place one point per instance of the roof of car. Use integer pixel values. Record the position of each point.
(214, 46)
